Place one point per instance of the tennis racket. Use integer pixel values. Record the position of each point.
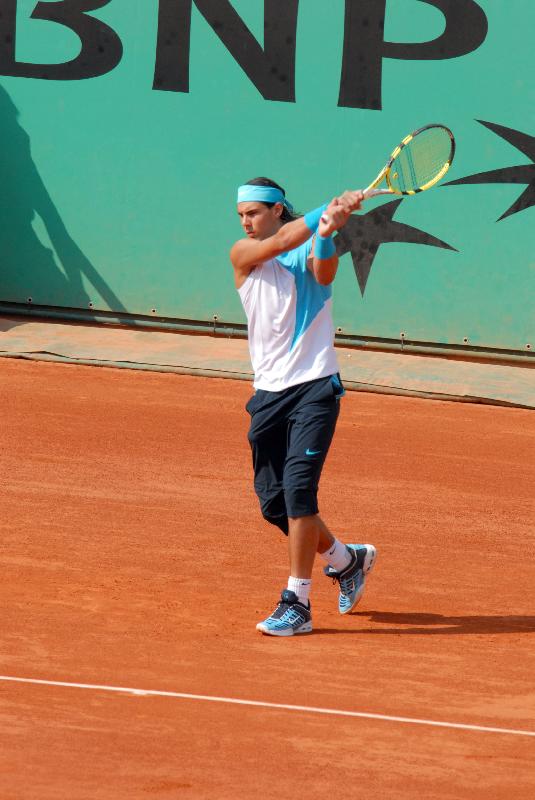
(420, 160)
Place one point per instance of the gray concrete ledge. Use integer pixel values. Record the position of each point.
(391, 373)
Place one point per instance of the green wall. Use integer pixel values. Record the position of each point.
(117, 191)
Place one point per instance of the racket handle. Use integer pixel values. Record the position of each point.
(375, 192)
(368, 193)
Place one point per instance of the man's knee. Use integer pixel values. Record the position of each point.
(274, 510)
(253, 437)
(300, 502)
(281, 522)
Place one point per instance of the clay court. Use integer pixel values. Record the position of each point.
(134, 558)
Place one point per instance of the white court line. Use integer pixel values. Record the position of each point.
(262, 704)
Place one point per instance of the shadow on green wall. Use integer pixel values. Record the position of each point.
(27, 267)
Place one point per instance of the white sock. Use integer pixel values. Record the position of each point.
(301, 587)
(337, 556)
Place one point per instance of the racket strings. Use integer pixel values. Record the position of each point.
(421, 161)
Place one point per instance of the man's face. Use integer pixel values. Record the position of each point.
(258, 221)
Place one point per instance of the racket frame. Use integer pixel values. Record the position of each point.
(372, 191)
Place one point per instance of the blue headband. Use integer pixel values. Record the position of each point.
(262, 194)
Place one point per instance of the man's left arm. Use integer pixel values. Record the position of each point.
(324, 260)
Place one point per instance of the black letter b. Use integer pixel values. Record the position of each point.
(101, 47)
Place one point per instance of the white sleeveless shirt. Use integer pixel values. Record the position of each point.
(290, 327)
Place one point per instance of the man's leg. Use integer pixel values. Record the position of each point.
(313, 425)
(267, 438)
(307, 536)
(292, 614)
(311, 428)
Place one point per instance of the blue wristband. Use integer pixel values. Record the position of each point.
(312, 218)
(324, 247)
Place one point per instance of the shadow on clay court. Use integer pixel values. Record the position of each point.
(8, 324)
(438, 624)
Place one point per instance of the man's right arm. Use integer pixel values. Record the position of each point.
(246, 254)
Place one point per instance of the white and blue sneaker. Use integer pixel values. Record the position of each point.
(352, 579)
(290, 617)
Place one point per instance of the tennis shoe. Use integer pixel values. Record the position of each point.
(290, 617)
(352, 579)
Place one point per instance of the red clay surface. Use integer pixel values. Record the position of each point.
(133, 555)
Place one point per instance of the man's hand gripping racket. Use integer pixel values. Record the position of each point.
(419, 162)
(338, 211)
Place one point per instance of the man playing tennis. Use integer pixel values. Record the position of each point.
(283, 272)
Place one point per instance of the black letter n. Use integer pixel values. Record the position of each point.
(271, 69)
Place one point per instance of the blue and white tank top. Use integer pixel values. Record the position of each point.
(289, 316)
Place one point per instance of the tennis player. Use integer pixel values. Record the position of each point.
(283, 271)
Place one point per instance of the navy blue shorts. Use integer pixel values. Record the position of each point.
(290, 435)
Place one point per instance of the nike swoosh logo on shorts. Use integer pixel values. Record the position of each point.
(309, 452)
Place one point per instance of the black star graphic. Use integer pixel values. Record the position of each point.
(525, 173)
(363, 234)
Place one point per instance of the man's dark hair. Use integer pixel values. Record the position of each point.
(286, 216)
